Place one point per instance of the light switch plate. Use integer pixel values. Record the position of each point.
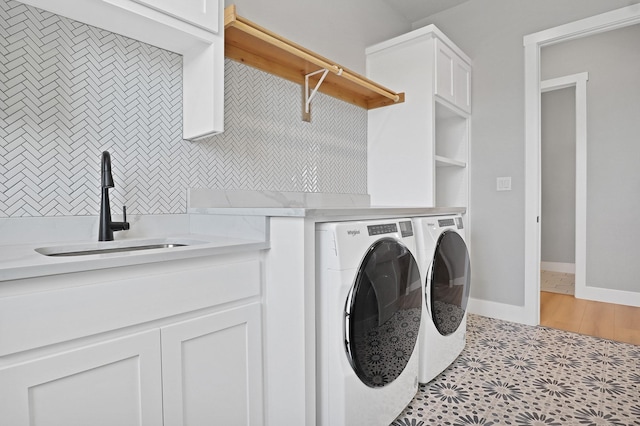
(503, 183)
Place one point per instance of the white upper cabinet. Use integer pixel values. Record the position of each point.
(418, 151)
(192, 28)
(202, 13)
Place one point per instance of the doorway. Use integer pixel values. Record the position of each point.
(564, 182)
(557, 191)
(533, 43)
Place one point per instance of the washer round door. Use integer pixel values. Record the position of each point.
(448, 282)
(382, 313)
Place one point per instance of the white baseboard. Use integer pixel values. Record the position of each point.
(567, 268)
(500, 311)
(599, 294)
(519, 314)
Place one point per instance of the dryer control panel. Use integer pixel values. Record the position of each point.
(446, 222)
(442, 223)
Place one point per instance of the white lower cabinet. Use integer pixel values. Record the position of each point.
(212, 369)
(203, 371)
(116, 382)
(171, 344)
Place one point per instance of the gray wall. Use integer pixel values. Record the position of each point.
(491, 33)
(613, 149)
(558, 176)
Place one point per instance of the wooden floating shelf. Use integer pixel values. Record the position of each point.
(250, 44)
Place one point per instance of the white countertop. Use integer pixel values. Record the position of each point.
(318, 207)
(23, 261)
(331, 214)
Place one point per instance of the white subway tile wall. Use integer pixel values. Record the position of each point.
(68, 91)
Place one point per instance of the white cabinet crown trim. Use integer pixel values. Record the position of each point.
(429, 31)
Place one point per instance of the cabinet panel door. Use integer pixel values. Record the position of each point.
(212, 369)
(203, 13)
(111, 383)
(445, 59)
(462, 85)
(453, 77)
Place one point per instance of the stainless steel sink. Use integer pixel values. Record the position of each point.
(92, 249)
(113, 250)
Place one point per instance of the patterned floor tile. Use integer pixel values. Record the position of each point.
(511, 374)
(629, 354)
(477, 366)
(479, 400)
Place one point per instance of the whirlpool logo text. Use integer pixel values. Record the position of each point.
(353, 233)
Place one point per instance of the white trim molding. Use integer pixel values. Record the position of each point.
(565, 268)
(501, 311)
(614, 19)
(619, 297)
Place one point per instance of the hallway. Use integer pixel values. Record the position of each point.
(606, 320)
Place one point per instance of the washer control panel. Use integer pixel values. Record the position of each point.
(406, 228)
(384, 228)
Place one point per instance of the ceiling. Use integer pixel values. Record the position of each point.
(415, 10)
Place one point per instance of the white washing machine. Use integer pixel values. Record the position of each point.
(444, 264)
(368, 313)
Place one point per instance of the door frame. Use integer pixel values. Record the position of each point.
(608, 21)
(579, 81)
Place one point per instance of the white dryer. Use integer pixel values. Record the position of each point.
(368, 313)
(444, 264)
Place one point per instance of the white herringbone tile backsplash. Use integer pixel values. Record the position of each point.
(69, 91)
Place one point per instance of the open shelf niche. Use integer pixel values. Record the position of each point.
(451, 156)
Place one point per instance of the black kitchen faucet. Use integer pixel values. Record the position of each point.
(106, 225)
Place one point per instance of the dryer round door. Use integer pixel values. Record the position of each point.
(382, 313)
(448, 282)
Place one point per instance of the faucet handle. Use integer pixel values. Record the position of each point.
(125, 224)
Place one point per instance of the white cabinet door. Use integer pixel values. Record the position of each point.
(445, 59)
(453, 77)
(212, 369)
(116, 382)
(203, 13)
(462, 85)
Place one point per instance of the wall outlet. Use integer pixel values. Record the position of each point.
(503, 183)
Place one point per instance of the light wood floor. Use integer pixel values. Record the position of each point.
(606, 320)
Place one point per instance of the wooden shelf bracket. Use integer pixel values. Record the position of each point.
(308, 95)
